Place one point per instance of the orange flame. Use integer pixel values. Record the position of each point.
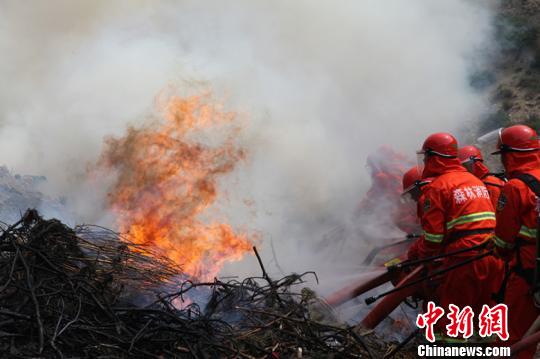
(167, 178)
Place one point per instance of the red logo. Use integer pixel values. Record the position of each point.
(429, 319)
(460, 322)
(491, 321)
(494, 321)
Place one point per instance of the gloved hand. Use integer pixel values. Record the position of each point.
(413, 252)
(499, 252)
(504, 254)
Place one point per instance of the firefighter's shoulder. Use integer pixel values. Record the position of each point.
(514, 190)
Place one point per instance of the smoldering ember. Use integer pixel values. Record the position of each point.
(269, 179)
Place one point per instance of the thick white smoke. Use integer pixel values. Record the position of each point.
(324, 83)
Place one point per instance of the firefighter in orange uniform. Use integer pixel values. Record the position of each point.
(412, 190)
(386, 168)
(406, 217)
(517, 225)
(413, 182)
(382, 202)
(471, 158)
(413, 187)
(456, 213)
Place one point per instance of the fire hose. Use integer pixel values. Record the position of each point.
(412, 263)
(406, 287)
(392, 300)
(378, 278)
(361, 286)
(369, 258)
(433, 274)
(358, 288)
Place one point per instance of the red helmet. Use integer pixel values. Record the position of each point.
(440, 144)
(518, 138)
(469, 153)
(413, 179)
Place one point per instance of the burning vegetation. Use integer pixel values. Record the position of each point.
(78, 292)
(167, 173)
(151, 290)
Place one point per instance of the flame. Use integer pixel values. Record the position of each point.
(167, 175)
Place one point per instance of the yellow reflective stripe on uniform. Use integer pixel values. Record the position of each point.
(435, 238)
(473, 217)
(502, 243)
(527, 232)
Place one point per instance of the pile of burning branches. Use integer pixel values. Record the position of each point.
(86, 292)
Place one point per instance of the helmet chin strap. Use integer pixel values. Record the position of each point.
(506, 148)
(431, 152)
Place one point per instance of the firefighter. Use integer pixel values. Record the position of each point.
(382, 205)
(413, 187)
(515, 239)
(406, 217)
(412, 190)
(471, 158)
(413, 183)
(386, 168)
(456, 213)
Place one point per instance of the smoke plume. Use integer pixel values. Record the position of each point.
(322, 83)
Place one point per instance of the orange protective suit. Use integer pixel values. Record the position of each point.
(386, 168)
(383, 199)
(456, 213)
(516, 240)
(492, 183)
